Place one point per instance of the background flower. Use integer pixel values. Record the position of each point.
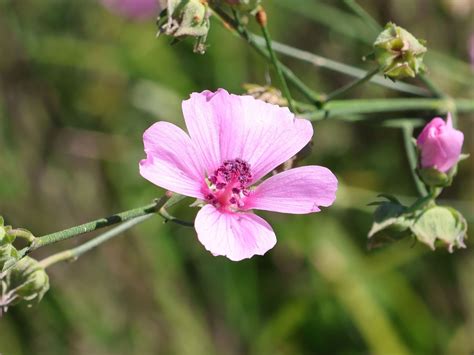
(135, 9)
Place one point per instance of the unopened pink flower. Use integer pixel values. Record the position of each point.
(440, 144)
(233, 142)
(135, 9)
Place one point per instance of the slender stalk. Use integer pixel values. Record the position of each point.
(237, 29)
(364, 15)
(22, 233)
(97, 224)
(352, 85)
(339, 67)
(412, 158)
(435, 90)
(262, 21)
(74, 253)
(169, 218)
(358, 106)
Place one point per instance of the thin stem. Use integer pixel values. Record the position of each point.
(412, 158)
(97, 224)
(352, 84)
(358, 106)
(169, 218)
(22, 233)
(237, 29)
(364, 15)
(339, 67)
(435, 90)
(74, 253)
(262, 21)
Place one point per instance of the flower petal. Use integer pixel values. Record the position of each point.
(226, 126)
(203, 124)
(235, 235)
(172, 162)
(298, 190)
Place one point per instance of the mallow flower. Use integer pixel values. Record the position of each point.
(233, 143)
(440, 144)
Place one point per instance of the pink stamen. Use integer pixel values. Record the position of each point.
(228, 184)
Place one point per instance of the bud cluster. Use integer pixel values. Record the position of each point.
(21, 279)
(185, 18)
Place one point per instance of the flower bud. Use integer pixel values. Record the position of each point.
(441, 224)
(25, 281)
(398, 52)
(439, 145)
(185, 18)
(8, 253)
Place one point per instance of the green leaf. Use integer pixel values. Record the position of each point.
(441, 223)
(390, 224)
(8, 255)
(28, 279)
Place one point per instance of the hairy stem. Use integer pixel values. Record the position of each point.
(74, 253)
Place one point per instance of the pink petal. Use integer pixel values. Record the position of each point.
(226, 126)
(235, 235)
(172, 162)
(299, 190)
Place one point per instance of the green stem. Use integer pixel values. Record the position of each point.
(22, 233)
(339, 67)
(412, 158)
(358, 106)
(277, 65)
(97, 224)
(74, 253)
(364, 15)
(239, 30)
(435, 90)
(352, 84)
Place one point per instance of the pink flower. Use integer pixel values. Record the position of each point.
(233, 142)
(440, 144)
(136, 9)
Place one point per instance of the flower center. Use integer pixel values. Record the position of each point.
(228, 184)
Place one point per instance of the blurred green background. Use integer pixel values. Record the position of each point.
(79, 85)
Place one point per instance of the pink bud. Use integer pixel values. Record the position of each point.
(134, 9)
(440, 144)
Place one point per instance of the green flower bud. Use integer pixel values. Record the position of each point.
(399, 53)
(186, 18)
(441, 224)
(434, 178)
(25, 281)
